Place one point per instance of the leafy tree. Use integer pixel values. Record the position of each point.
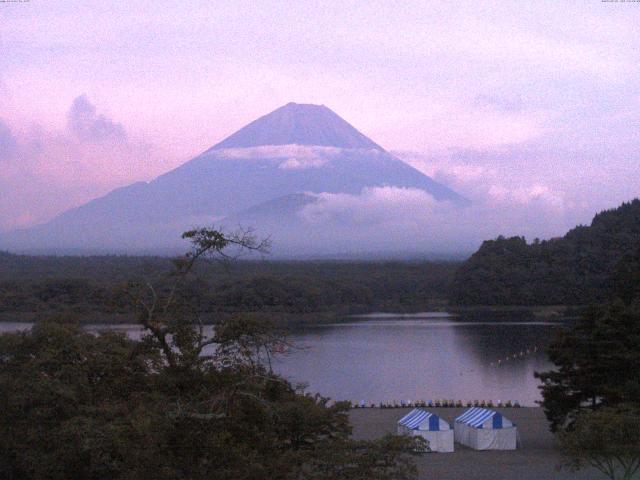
(177, 404)
(594, 362)
(68, 400)
(626, 278)
(361, 460)
(592, 398)
(607, 439)
(597, 357)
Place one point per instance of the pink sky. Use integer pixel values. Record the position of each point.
(513, 102)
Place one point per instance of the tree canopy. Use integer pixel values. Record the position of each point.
(284, 291)
(607, 439)
(176, 405)
(572, 270)
(592, 397)
(596, 362)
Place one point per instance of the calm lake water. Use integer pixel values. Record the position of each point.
(413, 357)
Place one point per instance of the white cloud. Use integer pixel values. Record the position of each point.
(376, 205)
(277, 151)
(298, 163)
(293, 156)
(527, 195)
(391, 218)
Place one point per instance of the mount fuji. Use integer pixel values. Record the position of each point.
(264, 174)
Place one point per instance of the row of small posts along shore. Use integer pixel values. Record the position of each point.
(437, 404)
(454, 403)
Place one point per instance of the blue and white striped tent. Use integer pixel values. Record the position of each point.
(436, 431)
(484, 429)
(478, 417)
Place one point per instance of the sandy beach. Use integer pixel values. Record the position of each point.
(536, 459)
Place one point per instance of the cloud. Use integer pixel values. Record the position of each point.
(84, 122)
(527, 195)
(518, 173)
(373, 206)
(293, 156)
(298, 163)
(278, 151)
(507, 103)
(410, 220)
(46, 171)
(8, 143)
(491, 126)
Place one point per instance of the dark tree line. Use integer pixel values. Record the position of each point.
(91, 286)
(572, 270)
(592, 397)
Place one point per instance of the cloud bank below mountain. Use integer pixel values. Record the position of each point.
(406, 221)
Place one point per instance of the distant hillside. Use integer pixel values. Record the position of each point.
(574, 269)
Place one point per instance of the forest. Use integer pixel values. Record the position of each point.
(572, 270)
(286, 291)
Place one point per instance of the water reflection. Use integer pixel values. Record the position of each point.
(383, 360)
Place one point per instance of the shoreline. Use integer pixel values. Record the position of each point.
(301, 319)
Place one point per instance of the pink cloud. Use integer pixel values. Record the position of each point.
(45, 171)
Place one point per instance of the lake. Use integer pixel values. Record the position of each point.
(429, 356)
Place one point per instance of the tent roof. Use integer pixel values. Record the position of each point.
(476, 416)
(415, 417)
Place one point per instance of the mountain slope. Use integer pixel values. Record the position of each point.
(300, 124)
(274, 210)
(294, 150)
